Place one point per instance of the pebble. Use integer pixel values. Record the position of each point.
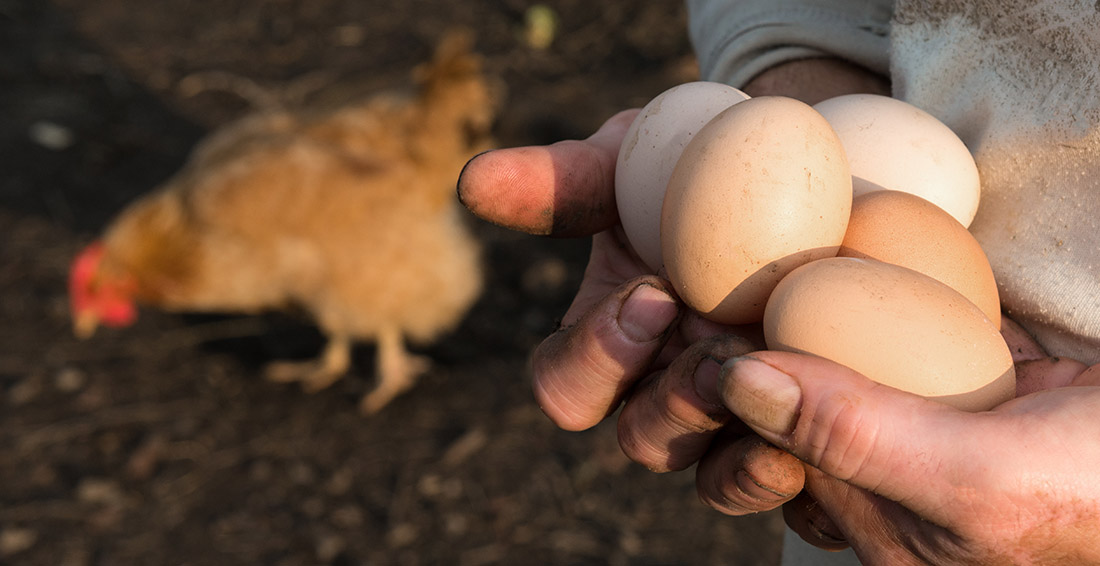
(99, 490)
(70, 380)
(402, 535)
(51, 135)
(545, 278)
(329, 547)
(15, 540)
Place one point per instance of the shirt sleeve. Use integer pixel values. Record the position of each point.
(737, 39)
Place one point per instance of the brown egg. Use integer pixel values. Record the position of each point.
(894, 325)
(762, 188)
(907, 230)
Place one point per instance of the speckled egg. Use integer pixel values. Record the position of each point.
(763, 188)
(650, 150)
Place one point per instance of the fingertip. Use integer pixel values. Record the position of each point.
(808, 519)
(748, 475)
(581, 372)
(1046, 373)
(512, 188)
(560, 404)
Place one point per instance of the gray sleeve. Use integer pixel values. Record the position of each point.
(737, 39)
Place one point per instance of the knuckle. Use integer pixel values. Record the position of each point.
(844, 440)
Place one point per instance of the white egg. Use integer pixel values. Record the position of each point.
(894, 145)
(652, 147)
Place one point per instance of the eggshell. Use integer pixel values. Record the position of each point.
(894, 145)
(762, 188)
(652, 145)
(895, 326)
(906, 230)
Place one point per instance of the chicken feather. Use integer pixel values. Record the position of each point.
(348, 214)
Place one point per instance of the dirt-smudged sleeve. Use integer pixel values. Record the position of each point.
(737, 39)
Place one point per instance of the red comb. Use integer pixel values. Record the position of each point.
(109, 303)
(81, 273)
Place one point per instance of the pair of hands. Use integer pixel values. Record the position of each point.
(901, 479)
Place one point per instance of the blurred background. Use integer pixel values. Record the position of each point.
(162, 444)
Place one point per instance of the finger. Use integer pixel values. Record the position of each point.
(564, 189)
(1046, 373)
(834, 514)
(610, 263)
(745, 474)
(1088, 378)
(582, 371)
(883, 440)
(670, 420)
(808, 519)
(1022, 345)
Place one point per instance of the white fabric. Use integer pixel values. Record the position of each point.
(1019, 81)
(736, 40)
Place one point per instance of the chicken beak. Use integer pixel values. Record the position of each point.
(85, 324)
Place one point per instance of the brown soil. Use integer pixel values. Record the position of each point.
(161, 444)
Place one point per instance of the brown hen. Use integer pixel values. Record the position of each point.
(349, 215)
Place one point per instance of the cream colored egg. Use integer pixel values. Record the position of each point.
(894, 325)
(652, 145)
(763, 188)
(894, 145)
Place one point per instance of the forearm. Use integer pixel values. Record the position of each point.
(806, 49)
(816, 79)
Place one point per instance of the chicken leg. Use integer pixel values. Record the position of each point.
(397, 371)
(318, 374)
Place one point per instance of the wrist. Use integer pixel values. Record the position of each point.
(817, 79)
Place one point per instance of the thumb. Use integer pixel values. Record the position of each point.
(565, 189)
(894, 444)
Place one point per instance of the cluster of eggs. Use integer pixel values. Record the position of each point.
(842, 227)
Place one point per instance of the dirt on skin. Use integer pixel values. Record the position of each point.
(161, 444)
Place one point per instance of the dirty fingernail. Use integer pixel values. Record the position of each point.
(647, 313)
(762, 396)
(706, 381)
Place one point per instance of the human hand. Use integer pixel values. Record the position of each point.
(626, 338)
(904, 480)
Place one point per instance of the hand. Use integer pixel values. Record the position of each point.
(625, 337)
(909, 481)
(625, 327)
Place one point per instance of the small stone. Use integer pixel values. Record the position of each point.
(99, 490)
(402, 535)
(70, 380)
(545, 278)
(348, 517)
(302, 474)
(341, 481)
(329, 547)
(16, 540)
(349, 35)
(51, 135)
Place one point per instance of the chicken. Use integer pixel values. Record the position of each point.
(349, 215)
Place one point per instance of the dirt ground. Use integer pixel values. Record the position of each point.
(161, 444)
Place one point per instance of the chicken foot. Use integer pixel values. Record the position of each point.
(318, 374)
(397, 371)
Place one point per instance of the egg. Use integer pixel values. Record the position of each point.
(894, 325)
(907, 230)
(762, 188)
(653, 144)
(894, 145)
